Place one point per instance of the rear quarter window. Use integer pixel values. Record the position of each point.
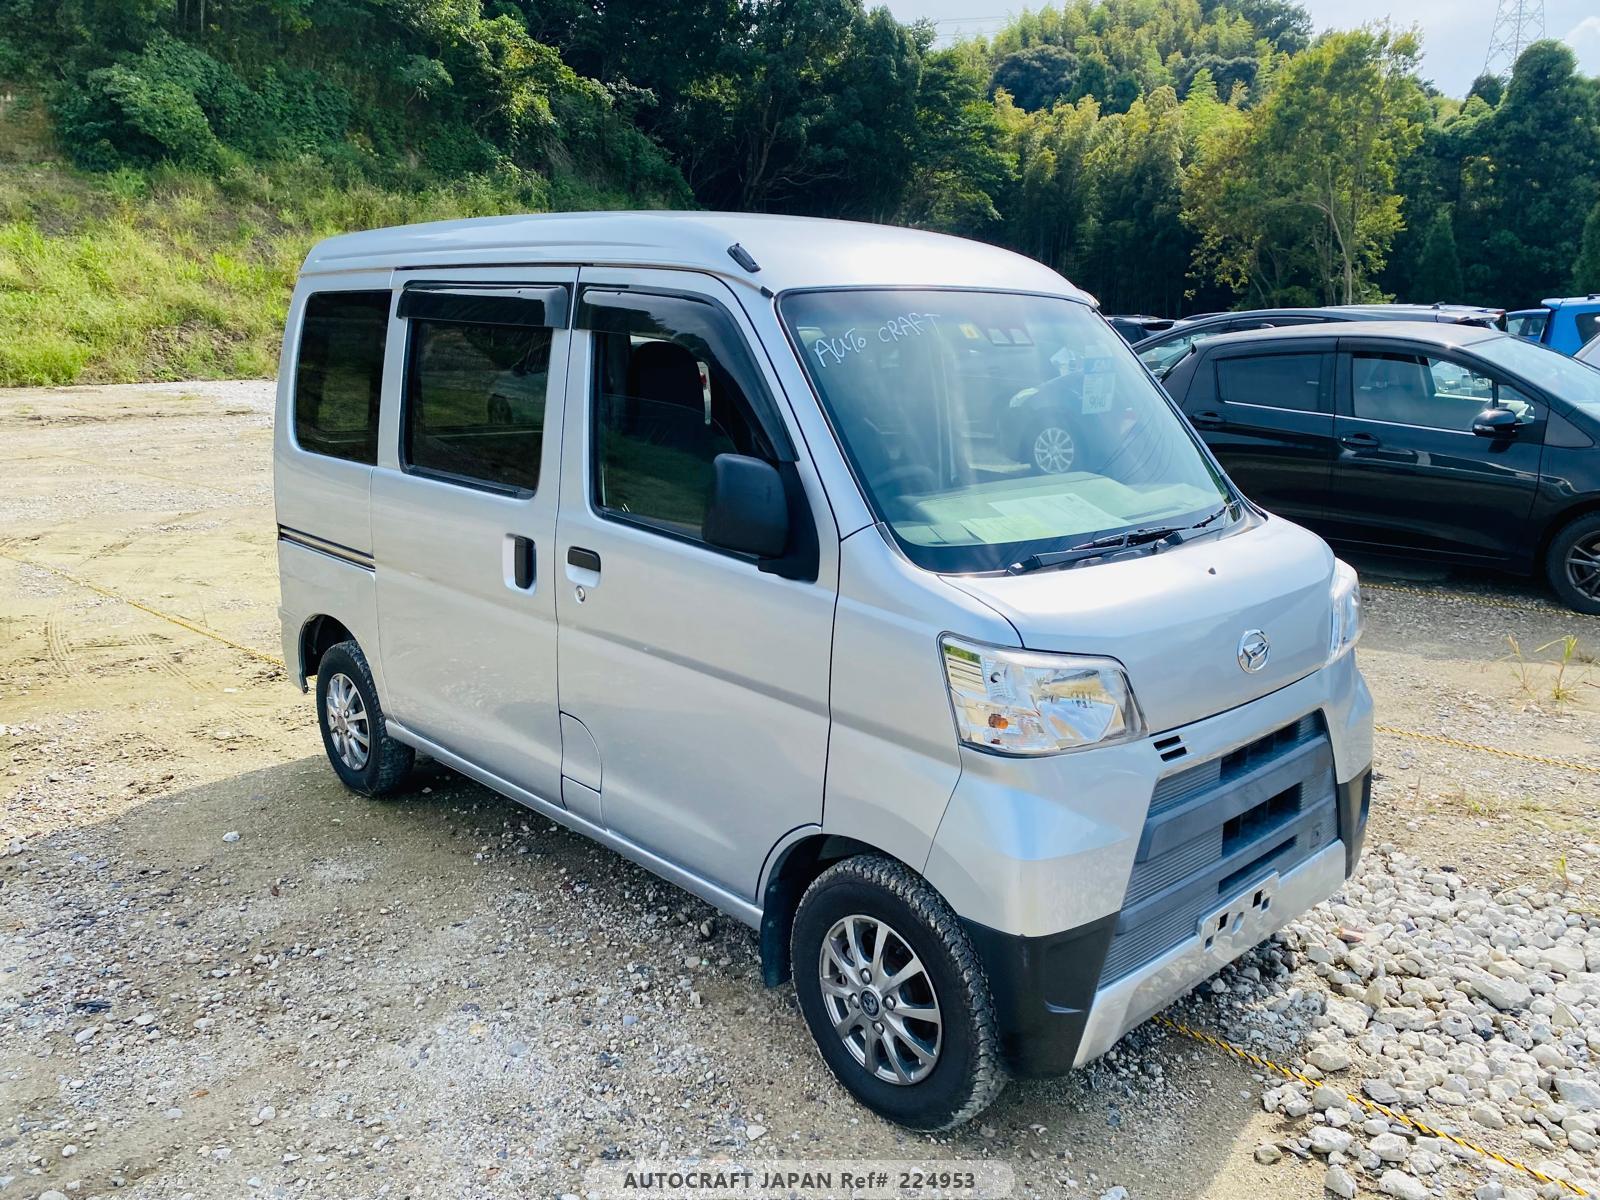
(338, 378)
(1291, 381)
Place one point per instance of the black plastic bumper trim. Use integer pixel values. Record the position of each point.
(1355, 799)
(1043, 989)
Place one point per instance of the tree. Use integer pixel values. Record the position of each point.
(1308, 179)
(1488, 88)
(960, 164)
(1438, 271)
(1038, 76)
(1049, 207)
(1285, 23)
(1586, 271)
(1139, 251)
(1530, 171)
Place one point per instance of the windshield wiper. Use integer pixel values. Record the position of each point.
(1112, 541)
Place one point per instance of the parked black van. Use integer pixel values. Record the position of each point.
(1448, 442)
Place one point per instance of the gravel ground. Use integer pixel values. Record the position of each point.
(221, 975)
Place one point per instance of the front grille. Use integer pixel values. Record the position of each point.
(1218, 826)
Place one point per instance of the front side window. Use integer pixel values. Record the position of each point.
(1433, 393)
(1292, 381)
(667, 400)
(986, 427)
(475, 401)
(338, 378)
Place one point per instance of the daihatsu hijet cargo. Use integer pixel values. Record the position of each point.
(702, 535)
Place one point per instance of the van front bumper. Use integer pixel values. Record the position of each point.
(1091, 884)
(1052, 1014)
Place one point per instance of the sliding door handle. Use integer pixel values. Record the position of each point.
(519, 562)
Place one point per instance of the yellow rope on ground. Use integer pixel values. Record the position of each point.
(1440, 739)
(260, 655)
(1228, 1047)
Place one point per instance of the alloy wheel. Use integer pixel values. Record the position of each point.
(1054, 450)
(880, 1000)
(348, 727)
(1583, 566)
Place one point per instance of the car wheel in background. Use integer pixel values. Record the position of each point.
(1049, 447)
(1572, 564)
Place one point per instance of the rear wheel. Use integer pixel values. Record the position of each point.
(363, 754)
(1572, 564)
(895, 996)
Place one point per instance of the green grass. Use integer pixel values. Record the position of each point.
(165, 275)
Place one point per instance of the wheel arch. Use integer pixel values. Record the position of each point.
(317, 636)
(796, 863)
(1587, 506)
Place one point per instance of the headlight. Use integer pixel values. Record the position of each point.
(1022, 702)
(1345, 595)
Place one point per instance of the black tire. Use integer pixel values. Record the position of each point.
(1579, 590)
(967, 1073)
(387, 762)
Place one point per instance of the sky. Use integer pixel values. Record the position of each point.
(1455, 32)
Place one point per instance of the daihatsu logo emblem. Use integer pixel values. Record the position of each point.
(1254, 650)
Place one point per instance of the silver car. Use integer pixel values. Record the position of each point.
(705, 535)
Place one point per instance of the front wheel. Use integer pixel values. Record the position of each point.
(1572, 564)
(895, 996)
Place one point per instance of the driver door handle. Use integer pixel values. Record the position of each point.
(1360, 441)
(1207, 420)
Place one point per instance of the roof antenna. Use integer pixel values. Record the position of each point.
(742, 256)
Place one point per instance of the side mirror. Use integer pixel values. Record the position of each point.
(748, 512)
(1495, 423)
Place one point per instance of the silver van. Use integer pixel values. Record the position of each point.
(858, 580)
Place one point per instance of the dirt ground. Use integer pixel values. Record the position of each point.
(445, 996)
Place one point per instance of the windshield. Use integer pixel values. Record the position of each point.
(1566, 378)
(1161, 356)
(986, 427)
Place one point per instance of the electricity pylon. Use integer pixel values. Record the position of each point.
(1517, 25)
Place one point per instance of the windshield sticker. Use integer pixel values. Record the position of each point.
(907, 325)
(826, 348)
(832, 351)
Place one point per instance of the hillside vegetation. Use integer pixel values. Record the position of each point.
(164, 164)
